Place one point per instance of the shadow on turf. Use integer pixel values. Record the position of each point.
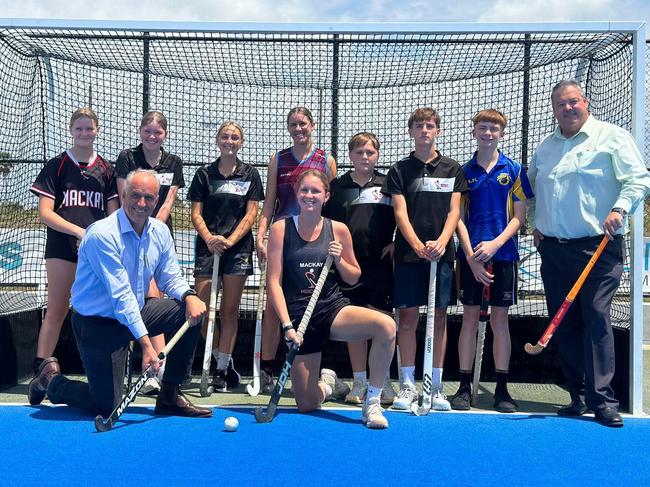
(48, 413)
(320, 413)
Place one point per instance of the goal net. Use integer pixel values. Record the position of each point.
(351, 81)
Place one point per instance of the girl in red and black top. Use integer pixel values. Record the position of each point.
(75, 189)
(285, 166)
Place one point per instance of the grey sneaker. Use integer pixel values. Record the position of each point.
(461, 400)
(373, 415)
(387, 393)
(151, 387)
(439, 400)
(406, 396)
(358, 392)
(339, 388)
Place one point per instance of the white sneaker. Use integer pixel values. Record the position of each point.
(373, 415)
(151, 386)
(405, 397)
(387, 393)
(339, 388)
(358, 392)
(439, 400)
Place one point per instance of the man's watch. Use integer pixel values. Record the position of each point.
(620, 211)
(189, 292)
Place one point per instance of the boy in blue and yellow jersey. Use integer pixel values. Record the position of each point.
(493, 210)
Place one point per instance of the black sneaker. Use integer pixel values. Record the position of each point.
(461, 400)
(504, 403)
(266, 381)
(220, 382)
(232, 376)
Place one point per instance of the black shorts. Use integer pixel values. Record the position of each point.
(503, 291)
(230, 264)
(412, 284)
(363, 295)
(318, 328)
(61, 246)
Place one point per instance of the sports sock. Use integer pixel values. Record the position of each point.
(267, 366)
(362, 376)
(502, 382)
(408, 375)
(223, 360)
(215, 353)
(465, 380)
(373, 392)
(437, 377)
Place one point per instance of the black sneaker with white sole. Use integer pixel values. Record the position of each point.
(220, 382)
(232, 376)
(461, 401)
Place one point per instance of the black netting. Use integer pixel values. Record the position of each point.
(351, 82)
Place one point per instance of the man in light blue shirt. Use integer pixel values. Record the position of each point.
(587, 175)
(118, 257)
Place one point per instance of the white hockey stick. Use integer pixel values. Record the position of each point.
(253, 388)
(205, 388)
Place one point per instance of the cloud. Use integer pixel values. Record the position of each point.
(551, 11)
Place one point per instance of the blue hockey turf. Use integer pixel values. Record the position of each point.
(57, 446)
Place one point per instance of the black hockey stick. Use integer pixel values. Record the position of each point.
(261, 415)
(128, 398)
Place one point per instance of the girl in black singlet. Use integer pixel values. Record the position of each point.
(297, 250)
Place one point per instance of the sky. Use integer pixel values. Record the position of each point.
(333, 10)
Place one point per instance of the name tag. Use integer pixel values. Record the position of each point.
(372, 196)
(438, 185)
(239, 188)
(165, 178)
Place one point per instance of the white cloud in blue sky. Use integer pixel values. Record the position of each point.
(332, 10)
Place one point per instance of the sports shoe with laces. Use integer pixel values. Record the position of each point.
(373, 415)
(266, 382)
(461, 400)
(406, 396)
(339, 388)
(151, 387)
(220, 382)
(358, 392)
(387, 393)
(439, 400)
(504, 403)
(232, 376)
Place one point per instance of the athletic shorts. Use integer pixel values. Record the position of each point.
(412, 284)
(503, 291)
(61, 246)
(229, 264)
(362, 295)
(318, 328)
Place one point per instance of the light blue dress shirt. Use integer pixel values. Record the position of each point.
(578, 180)
(116, 266)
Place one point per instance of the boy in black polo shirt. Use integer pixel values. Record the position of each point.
(426, 189)
(356, 200)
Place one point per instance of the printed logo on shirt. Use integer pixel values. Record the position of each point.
(504, 179)
(239, 188)
(438, 185)
(372, 196)
(78, 197)
(165, 179)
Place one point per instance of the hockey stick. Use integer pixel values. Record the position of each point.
(102, 425)
(128, 368)
(267, 416)
(253, 388)
(566, 304)
(399, 358)
(204, 388)
(427, 366)
(483, 318)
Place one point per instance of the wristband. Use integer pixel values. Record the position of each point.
(286, 327)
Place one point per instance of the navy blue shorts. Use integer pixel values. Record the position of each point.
(318, 328)
(503, 291)
(412, 284)
(61, 246)
(230, 264)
